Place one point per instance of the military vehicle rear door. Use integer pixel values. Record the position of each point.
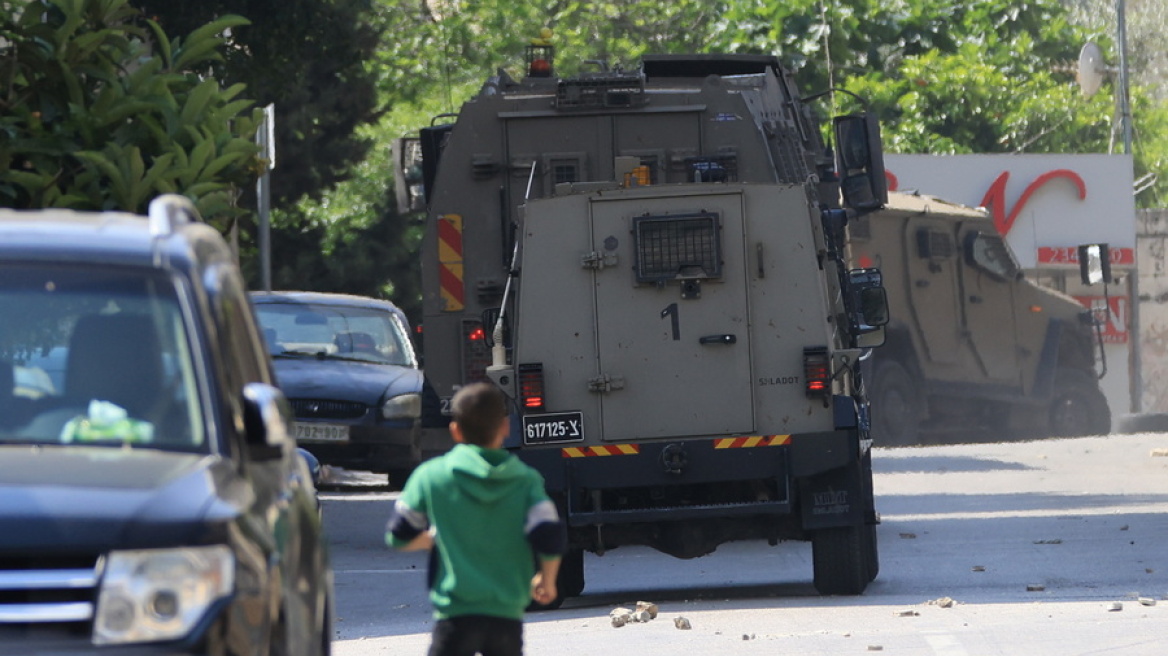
(988, 274)
(672, 325)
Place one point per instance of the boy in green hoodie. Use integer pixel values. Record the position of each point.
(485, 517)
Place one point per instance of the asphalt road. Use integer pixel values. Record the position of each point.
(1053, 547)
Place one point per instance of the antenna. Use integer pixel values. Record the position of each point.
(499, 351)
(1091, 69)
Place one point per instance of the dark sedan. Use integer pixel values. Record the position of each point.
(348, 366)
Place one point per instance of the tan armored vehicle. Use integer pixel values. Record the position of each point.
(972, 343)
(650, 264)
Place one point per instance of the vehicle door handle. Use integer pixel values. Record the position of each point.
(975, 299)
(719, 339)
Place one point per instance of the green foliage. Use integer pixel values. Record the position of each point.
(981, 77)
(99, 110)
(312, 59)
(437, 48)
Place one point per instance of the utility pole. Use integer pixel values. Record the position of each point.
(266, 139)
(1134, 334)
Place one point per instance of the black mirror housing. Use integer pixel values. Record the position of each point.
(267, 421)
(860, 161)
(869, 301)
(1095, 264)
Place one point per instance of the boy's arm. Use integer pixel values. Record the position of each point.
(545, 531)
(548, 538)
(543, 585)
(408, 529)
(420, 543)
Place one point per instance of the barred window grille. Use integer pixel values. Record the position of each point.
(933, 244)
(565, 171)
(677, 247)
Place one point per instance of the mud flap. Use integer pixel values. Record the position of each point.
(840, 497)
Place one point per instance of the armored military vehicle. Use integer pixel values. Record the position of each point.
(650, 264)
(972, 343)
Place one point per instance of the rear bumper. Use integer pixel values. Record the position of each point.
(681, 480)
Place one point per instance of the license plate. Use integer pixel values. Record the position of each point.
(320, 432)
(557, 427)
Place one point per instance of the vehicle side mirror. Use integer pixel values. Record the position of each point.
(869, 307)
(861, 161)
(267, 421)
(1095, 264)
(490, 317)
(873, 307)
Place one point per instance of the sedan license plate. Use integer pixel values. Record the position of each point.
(556, 427)
(306, 432)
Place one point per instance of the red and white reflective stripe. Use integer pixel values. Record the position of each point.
(606, 450)
(450, 262)
(747, 442)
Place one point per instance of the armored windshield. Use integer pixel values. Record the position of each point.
(991, 254)
(95, 355)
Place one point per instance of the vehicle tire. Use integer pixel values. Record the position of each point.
(839, 558)
(896, 406)
(326, 638)
(396, 477)
(569, 582)
(871, 552)
(1077, 407)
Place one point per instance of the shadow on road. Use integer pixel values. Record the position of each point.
(899, 462)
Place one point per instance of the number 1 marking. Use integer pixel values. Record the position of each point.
(671, 311)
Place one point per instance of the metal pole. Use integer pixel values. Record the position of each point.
(266, 138)
(263, 192)
(1124, 98)
(1134, 333)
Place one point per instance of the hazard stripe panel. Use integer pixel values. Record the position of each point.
(450, 262)
(747, 442)
(606, 450)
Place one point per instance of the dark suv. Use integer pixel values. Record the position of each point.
(151, 497)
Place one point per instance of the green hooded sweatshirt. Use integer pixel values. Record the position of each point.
(484, 505)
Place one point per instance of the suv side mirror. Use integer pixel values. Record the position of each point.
(267, 420)
(861, 161)
(1095, 264)
(869, 307)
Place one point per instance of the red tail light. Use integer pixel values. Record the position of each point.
(476, 355)
(817, 372)
(531, 387)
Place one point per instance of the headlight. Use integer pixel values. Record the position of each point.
(406, 406)
(160, 594)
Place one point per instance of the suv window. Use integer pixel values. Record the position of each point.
(356, 333)
(96, 355)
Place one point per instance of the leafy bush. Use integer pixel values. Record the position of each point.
(99, 110)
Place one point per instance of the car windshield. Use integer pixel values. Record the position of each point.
(335, 331)
(95, 355)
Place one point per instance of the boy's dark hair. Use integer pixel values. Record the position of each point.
(479, 409)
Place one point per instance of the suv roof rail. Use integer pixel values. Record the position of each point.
(169, 211)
